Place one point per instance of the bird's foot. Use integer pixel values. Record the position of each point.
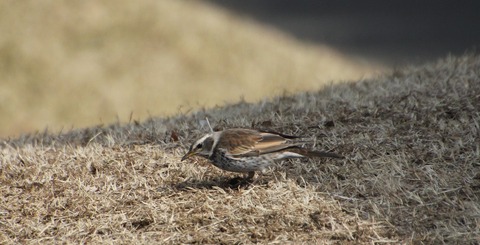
(242, 182)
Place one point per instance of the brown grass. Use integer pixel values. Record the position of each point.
(79, 63)
(411, 173)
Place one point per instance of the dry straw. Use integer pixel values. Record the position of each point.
(411, 174)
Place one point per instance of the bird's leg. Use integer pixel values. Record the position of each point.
(249, 178)
(250, 175)
(238, 181)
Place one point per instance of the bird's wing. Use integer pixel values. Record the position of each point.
(247, 142)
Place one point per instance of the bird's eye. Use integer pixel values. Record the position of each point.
(199, 146)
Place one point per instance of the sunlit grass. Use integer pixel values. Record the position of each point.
(410, 174)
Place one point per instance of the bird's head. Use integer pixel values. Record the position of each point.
(203, 147)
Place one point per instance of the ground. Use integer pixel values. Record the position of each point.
(411, 173)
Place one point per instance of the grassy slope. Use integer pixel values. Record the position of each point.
(411, 174)
(80, 63)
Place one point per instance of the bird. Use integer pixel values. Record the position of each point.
(247, 151)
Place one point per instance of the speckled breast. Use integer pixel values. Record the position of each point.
(240, 164)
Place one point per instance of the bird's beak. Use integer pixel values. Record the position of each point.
(189, 154)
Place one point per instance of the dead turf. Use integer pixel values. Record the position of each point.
(411, 173)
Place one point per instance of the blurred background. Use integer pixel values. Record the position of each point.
(70, 64)
(394, 33)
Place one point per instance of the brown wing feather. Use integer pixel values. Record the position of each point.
(271, 143)
(239, 141)
(247, 142)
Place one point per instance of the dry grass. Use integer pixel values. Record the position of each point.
(140, 194)
(79, 63)
(411, 174)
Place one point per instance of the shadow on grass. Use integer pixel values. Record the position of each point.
(281, 172)
(225, 183)
(222, 183)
